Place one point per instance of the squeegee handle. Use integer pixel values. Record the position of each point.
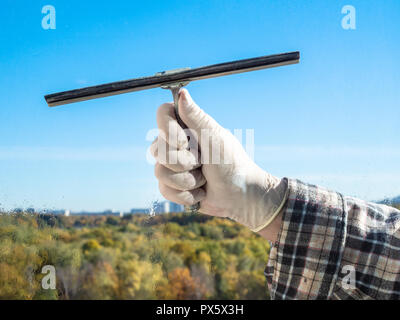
(175, 93)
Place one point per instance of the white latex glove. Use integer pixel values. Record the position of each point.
(233, 187)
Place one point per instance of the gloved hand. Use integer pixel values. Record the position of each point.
(224, 179)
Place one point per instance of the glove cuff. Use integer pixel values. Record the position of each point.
(276, 200)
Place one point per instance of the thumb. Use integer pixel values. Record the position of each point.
(192, 115)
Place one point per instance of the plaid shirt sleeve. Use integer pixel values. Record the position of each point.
(334, 247)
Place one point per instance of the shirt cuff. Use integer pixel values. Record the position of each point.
(310, 243)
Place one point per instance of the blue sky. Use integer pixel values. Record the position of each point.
(333, 119)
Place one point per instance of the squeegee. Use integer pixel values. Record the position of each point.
(173, 80)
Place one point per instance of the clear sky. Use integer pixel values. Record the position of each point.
(333, 119)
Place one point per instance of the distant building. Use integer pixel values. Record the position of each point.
(167, 207)
(174, 207)
(159, 208)
(59, 212)
(139, 210)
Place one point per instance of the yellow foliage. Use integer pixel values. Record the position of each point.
(174, 256)
(181, 286)
(138, 279)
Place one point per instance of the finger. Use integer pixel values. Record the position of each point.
(193, 116)
(153, 147)
(186, 198)
(172, 131)
(175, 160)
(188, 180)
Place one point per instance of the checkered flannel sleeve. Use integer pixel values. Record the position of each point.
(334, 247)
